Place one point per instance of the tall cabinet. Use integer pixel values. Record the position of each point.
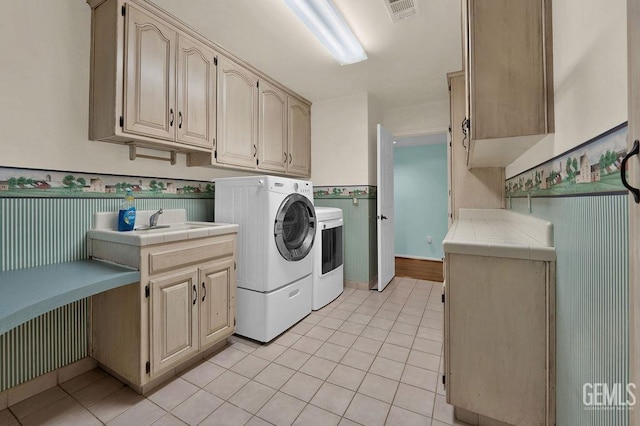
(633, 49)
(481, 188)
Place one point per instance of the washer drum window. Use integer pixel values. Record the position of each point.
(295, 227)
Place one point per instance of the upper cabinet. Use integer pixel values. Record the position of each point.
(237, 118)
(163, 96)
(260, 126)
(299, 137)
(509, 78)
(156, 83)
(196, 120)
(149, 67)
(272, 124)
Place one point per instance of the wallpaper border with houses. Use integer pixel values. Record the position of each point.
(345, 191)
(36, 183)
(592, 168)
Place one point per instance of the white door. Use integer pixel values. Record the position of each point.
(386, 251)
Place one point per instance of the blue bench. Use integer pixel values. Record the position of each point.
(28, 293)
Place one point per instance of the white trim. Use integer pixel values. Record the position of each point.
(407, 256)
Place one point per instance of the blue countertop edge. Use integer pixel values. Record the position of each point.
(28, 293)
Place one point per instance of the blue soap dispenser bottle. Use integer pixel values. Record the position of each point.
(127, 213)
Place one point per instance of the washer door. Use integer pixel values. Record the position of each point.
(295, 227)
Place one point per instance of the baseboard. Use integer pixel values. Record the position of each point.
(421, 269)
(356, 284)
(408, 256)
(46, 381)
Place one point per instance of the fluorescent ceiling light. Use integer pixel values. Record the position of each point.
(324, 21)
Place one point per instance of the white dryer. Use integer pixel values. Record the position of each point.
(328, 268)
(277, 232)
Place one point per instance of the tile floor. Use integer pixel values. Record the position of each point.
(367, 358)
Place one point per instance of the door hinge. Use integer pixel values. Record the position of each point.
(444, 379)
(235, 266)
(147, 367)
(257, 162)
(123, 10)
(215, 154)
(449, 128)
(121, 121)
(443, 298)
(258, 84)
(146, 291)
(215, 61)
(451, 215)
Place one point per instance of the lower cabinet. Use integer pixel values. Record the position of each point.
(499, 340)
(145, 332)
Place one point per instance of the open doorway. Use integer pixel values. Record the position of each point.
(421, 205)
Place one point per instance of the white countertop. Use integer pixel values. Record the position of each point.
(500, 233)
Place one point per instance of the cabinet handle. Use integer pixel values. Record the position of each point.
(195, 294)
(290, 158)
(255, 150)
(623, 171)
(170, 116)
(204, 289)
(180, 117)
(465, 127)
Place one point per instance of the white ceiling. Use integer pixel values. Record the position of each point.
(407, 64)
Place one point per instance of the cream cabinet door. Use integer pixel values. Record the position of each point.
(272, 128)
(237, 115)
(299, 138)
(217, 298)
(173, 319)
(196, 120)
(149, 76)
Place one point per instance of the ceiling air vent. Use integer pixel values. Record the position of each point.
(401, 9)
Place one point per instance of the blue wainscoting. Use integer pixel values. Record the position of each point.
(592, 299)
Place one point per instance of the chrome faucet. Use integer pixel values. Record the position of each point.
(153, 220)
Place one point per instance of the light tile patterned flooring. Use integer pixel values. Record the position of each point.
(367, 358)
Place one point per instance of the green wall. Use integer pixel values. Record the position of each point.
(591, 240)
(421, 200)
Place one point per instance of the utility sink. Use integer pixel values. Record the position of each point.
(173, 226)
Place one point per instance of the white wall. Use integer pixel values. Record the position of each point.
(590, 76)
(375, 118)
(339, 141)
(44, 81)
(421, 119)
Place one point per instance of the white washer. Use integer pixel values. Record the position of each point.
(328, 267)
(277, 231)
